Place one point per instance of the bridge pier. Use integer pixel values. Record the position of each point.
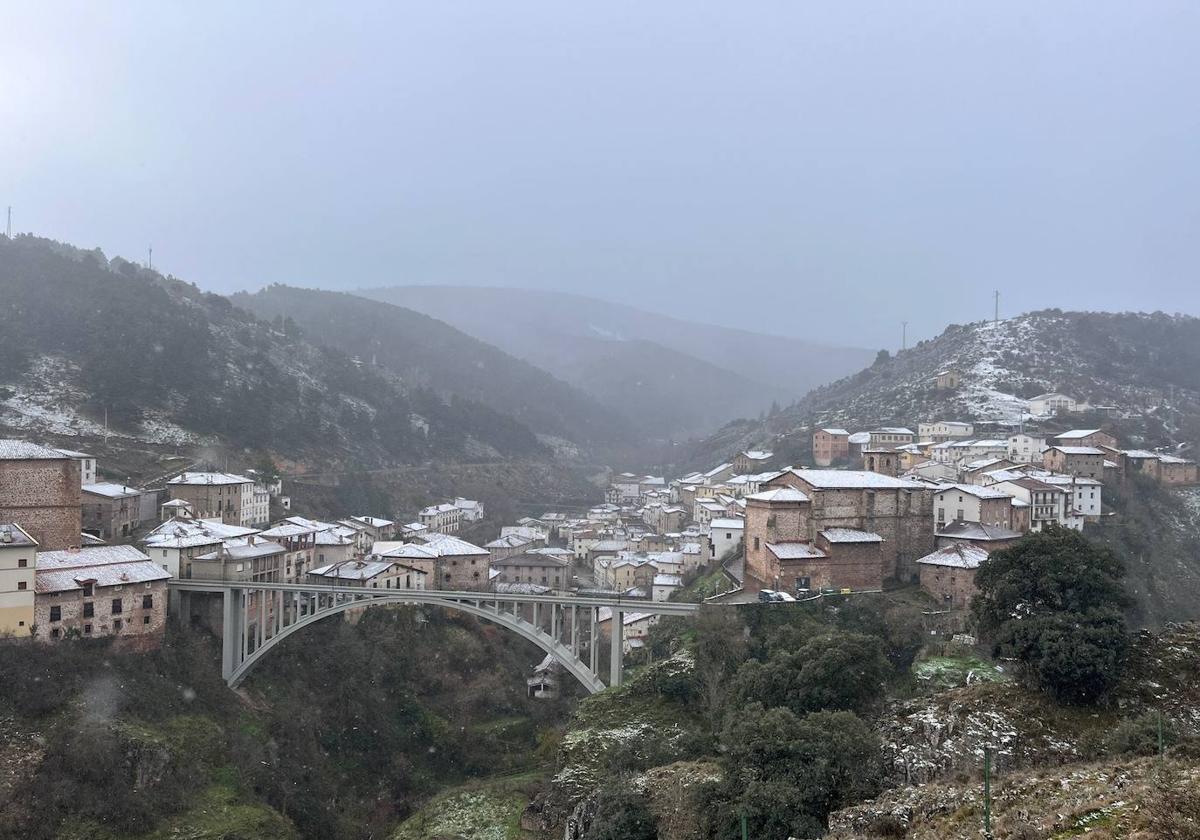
(616, 648)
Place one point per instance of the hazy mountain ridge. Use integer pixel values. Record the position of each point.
(426, 352)
(86, 338)
(579, 339)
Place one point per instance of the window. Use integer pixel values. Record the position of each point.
(54, 633)
(89, 609)
(87, 629)
(21, 585)
(145, 619)
(116, 625)
(56, 613)
(87, 590)
(756, 543)
(22, 563)
(116, 606)
(147, 602)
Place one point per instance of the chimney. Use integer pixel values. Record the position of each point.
(250, 540)
(6, 534)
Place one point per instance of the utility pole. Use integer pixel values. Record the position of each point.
(904, 335)
(8, 227)
(987, 792)
(150, 259)
(996, 313)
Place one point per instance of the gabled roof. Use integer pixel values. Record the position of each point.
(1077, 450)
(795, 551)
(1076, 434)
(976, 490)
(109, 490)
(108, 565)
(852, 480)
(210, 478)
(448, 546)
(17, 537)
(957, 555)
(780, 494)
(360, 569)
(977, 531)
(19, 450)
(835, 431)
(850, 535)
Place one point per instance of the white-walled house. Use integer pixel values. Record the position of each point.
(943, 430)
(724, 535)
(1025, 449)
(1085, 494)
(1046, 405)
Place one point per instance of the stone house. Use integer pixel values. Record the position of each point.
(1085, 437)
(948, 574)
(882, 461)
(830, 445)
(1080, 461)
(543, 569)
(443, 519)
(370, 573)
(110, 511)
(375, 527)
(40, 490)
(1177, 471)
(750, 461)
(460, 565)
(947, 380)
(18, 562)
(224, 496)
(799, 504)
(112, 590)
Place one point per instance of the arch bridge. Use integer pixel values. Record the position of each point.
(257, 616)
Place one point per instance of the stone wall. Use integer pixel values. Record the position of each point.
(141, 627)
(42, 496)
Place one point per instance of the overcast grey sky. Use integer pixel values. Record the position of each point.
(813, 169)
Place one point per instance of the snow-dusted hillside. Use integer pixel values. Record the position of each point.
(1145, 365)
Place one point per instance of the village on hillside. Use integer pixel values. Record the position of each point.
(880, 508)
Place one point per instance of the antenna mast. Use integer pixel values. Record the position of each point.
(996, 314)
(8, 227)
(904, 335)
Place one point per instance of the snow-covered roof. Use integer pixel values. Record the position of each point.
(71, 453)
(244, 549)
(892, 430)
(836, 431)
(853, 479)
(718, 469)
(958, 555)
(728, 524)
(1056, 478)
(109, 490)
(19, 450)
(374, 521)
(795, 550)
(1078, 450)
(1136, 454)
(213, 478)
(106, 565)
(668, 580)
(758, 454)
(13, 535)
(1076, 434)
(447, 546)
(780, 494)
(434, 510)
(404, 551)
(976, 531)
(187, 533)
(850, 535)
(860, 437)
(977, 491)
(284, 530)
(532, 560)
(359, 569)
